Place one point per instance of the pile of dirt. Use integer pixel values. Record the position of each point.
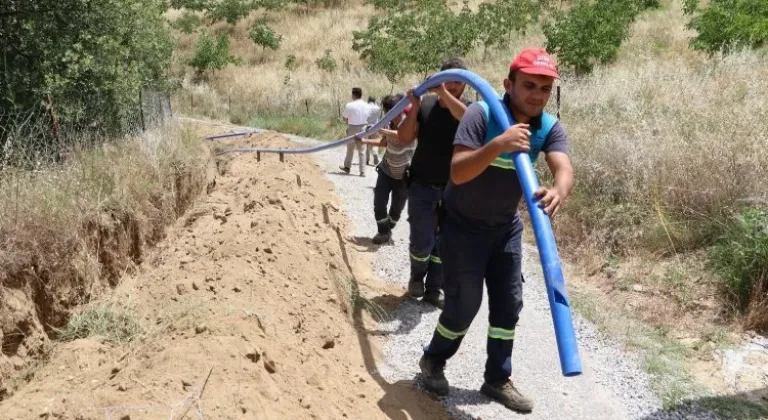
(253, 307)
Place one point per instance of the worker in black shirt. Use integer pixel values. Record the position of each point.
(432, 121)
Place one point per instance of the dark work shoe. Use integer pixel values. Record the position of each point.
(434, 298)
(433, 376)
(381, 238)
(416, 288)
(345, 169)
(506, 394)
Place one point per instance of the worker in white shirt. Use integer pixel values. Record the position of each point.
(373, 116)
(356, 117)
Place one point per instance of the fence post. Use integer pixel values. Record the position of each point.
(306, 103)
(159, 109)
(141, 111)
(192, 100)
(54, 120)
(558, 102)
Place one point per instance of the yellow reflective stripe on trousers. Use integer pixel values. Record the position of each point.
(419, 259)
(501, 333)
(384, 220)
(435, 259)
(502, 163)
(451, 335)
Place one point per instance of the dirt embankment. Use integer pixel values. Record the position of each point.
(254, 307)
(49, 266)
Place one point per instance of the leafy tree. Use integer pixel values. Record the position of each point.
(724, 25)
(195, 5)
(263, 36)
(91, 57)
(592, 31)
(414, 37)
(231, 11)
(496, 21)
(212, 54)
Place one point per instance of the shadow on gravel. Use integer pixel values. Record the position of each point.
(401, 400)
(364, 242)
(751, 405)
(408, 314)
(342, 173)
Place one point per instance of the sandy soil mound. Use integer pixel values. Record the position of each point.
(254, 307)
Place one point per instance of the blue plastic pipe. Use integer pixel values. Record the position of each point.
(570, 363)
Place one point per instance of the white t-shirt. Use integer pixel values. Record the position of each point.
(356, 112)
(374, 112)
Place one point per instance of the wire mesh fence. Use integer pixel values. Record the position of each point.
(31, 138)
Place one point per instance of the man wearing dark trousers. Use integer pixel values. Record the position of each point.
(432, 121)
(481, 232)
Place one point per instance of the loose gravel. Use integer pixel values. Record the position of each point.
(612, 385)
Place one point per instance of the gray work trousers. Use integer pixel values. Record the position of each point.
(351, 146)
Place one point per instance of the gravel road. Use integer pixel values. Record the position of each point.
(611, 387)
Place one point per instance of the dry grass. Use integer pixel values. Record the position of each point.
(88, 218)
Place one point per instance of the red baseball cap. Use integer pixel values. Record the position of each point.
(535, 61)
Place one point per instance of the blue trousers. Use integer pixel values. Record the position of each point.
(469, 256)
(423, 202)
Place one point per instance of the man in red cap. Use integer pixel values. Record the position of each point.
(481, 233)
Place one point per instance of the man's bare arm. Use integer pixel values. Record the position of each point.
(551, 199)
(468, 163)
(409, 129)
(380, 142)
(454, 104)
(388, 133)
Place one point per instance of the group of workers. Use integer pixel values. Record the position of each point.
(451, 162)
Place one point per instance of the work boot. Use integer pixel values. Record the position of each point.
(381, 238)
(344, 168)
(433, 376)
(416, 288)
(506, 394)
(434, 298)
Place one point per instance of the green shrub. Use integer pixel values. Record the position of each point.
(326, 62)
(212, 53)
(231, 11)
(727, 24)
(291, 62)
(187, 23)
(263, 36)
(740, 258)
(196, 5)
